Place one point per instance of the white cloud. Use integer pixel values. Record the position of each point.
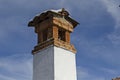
(18, 67)
(105, 47)
(82, 9)
(3, 77)
(109, 71)
(83, 74)
(113, 9)
(115, 39)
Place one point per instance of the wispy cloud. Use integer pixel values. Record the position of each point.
(3, 77)
(16, 67)
(97, 38)
(113, 8)
(109, 71)
(83, 74)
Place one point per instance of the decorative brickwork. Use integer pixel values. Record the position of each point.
(55, 32)
(62, 23)
(67, 36)
(53, 28)
(58, 43)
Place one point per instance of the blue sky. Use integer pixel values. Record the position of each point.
(97, 38)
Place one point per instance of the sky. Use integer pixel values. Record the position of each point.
(97, 38)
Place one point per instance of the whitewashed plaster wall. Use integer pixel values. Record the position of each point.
(54, 63)
(64, 64)
(43, 64)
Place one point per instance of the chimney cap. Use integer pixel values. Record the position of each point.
(61, 12)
